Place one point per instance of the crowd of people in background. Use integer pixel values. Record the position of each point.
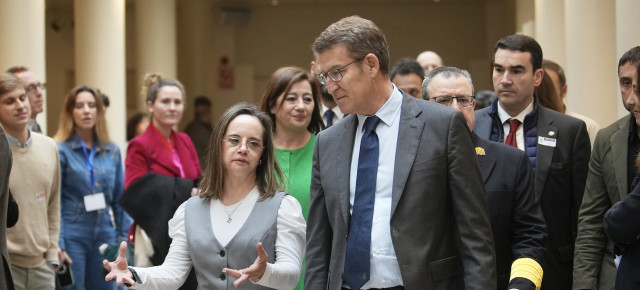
(350, 174)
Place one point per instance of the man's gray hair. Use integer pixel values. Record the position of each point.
(447, 72)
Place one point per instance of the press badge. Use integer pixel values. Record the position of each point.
(546, 141)
(94, 202)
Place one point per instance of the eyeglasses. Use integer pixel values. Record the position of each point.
(334, 74)
(252, 145)
(30, 89)
(463, 101)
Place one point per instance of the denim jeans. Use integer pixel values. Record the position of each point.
(82, 241)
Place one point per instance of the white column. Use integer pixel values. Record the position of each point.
(22, 30)
(550, 29)
(100, 56)
(591, 59)
(156, 40)
(627, 36)
(196, 63)
(525, 17)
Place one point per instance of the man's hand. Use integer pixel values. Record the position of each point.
(254, 272)
(119, 269)
(63, 257)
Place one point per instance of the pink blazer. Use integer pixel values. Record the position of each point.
(150, 152)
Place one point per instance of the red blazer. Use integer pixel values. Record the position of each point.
(151, 152)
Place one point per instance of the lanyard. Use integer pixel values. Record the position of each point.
(90, 163)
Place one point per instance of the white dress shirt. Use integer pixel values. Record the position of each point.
(385, 271)
(290, 245)
(504, 117)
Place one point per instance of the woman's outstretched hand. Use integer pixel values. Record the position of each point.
(119, 269)
(253, 272)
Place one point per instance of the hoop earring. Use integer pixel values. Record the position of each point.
(260, 162)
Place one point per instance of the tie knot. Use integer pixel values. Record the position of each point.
(371, 123)
(513, 124)
(329, 114)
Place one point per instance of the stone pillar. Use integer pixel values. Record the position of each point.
(591, 59)
(525, 17)
(156, 40)
(550, 29)
(22, 30)
(100, 57)
(196, 63)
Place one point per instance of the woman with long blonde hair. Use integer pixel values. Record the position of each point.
(91, 183)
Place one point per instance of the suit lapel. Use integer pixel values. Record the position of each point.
(486, 160)
(620, 148)
(544, 154)
(486, 165)
(409, 135)
(343, 152)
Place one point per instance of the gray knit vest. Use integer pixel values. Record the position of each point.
(209, 257)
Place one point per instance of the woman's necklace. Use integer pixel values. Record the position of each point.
(229, 214)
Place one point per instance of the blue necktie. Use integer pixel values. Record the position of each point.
(328, 114)
(357, 262)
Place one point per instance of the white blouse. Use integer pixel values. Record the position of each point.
(290, 244)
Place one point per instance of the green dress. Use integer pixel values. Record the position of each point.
(296, 166)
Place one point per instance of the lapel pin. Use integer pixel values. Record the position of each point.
(480, 151)
(551, 133)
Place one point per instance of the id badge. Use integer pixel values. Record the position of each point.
(94, 202)
(551, 142)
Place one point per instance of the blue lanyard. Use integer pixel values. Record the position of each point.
(90, 162)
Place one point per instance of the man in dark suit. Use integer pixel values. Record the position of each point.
(557, 145)
(518, 227)
(398, 205)
(407, 75)
(6, 282)
(611, 172)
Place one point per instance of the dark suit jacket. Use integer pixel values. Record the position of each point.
(6, 160)
(560, 176)
(606, 184)
(519, 230)
(440, 225)
(622, 225)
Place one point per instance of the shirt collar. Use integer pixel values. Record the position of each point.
(388, 112)
(504, 116)
(76, 143)
(336, 111)
(13, 141)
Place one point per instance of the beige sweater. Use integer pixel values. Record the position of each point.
(35, 185)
